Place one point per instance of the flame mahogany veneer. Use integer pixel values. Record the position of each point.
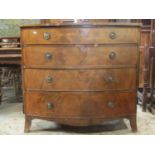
(80, 74)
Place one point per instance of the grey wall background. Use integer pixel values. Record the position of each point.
(11, 27)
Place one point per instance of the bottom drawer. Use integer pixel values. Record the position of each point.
(82, 104)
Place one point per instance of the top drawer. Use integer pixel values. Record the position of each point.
(74, 35)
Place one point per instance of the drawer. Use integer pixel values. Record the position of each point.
(79, 56)
(74, 80)
(75, 35)
(65, 104)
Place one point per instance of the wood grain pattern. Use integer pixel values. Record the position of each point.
(80, 56)
(80, 104)
(69, 80)
(69, 35)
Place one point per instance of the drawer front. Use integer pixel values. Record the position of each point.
(80, 104)
(69, 80)
(73, 35)
(81, 56)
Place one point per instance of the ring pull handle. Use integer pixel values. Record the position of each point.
(49, 79)
(112, 35)
(109, 79)
(48, 56)
(112, 55)
(111, 104)
(47, 35)
(50, 105)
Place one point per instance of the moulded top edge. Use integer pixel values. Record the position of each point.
(98, 24)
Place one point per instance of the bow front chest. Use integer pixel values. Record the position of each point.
(80, 74)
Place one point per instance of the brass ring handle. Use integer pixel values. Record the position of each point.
(49, 79)
(112, 35)
(48, 56)
(112, 55)
(109, 79)
(50, 105)
(111, 104)
(47, 35)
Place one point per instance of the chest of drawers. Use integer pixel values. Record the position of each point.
(80, 74)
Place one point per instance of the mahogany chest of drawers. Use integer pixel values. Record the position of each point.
(80, 74)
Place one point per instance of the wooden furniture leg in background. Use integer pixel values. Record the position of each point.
(146, 78)
(0, 86)
(152, 82)
(16, 83)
